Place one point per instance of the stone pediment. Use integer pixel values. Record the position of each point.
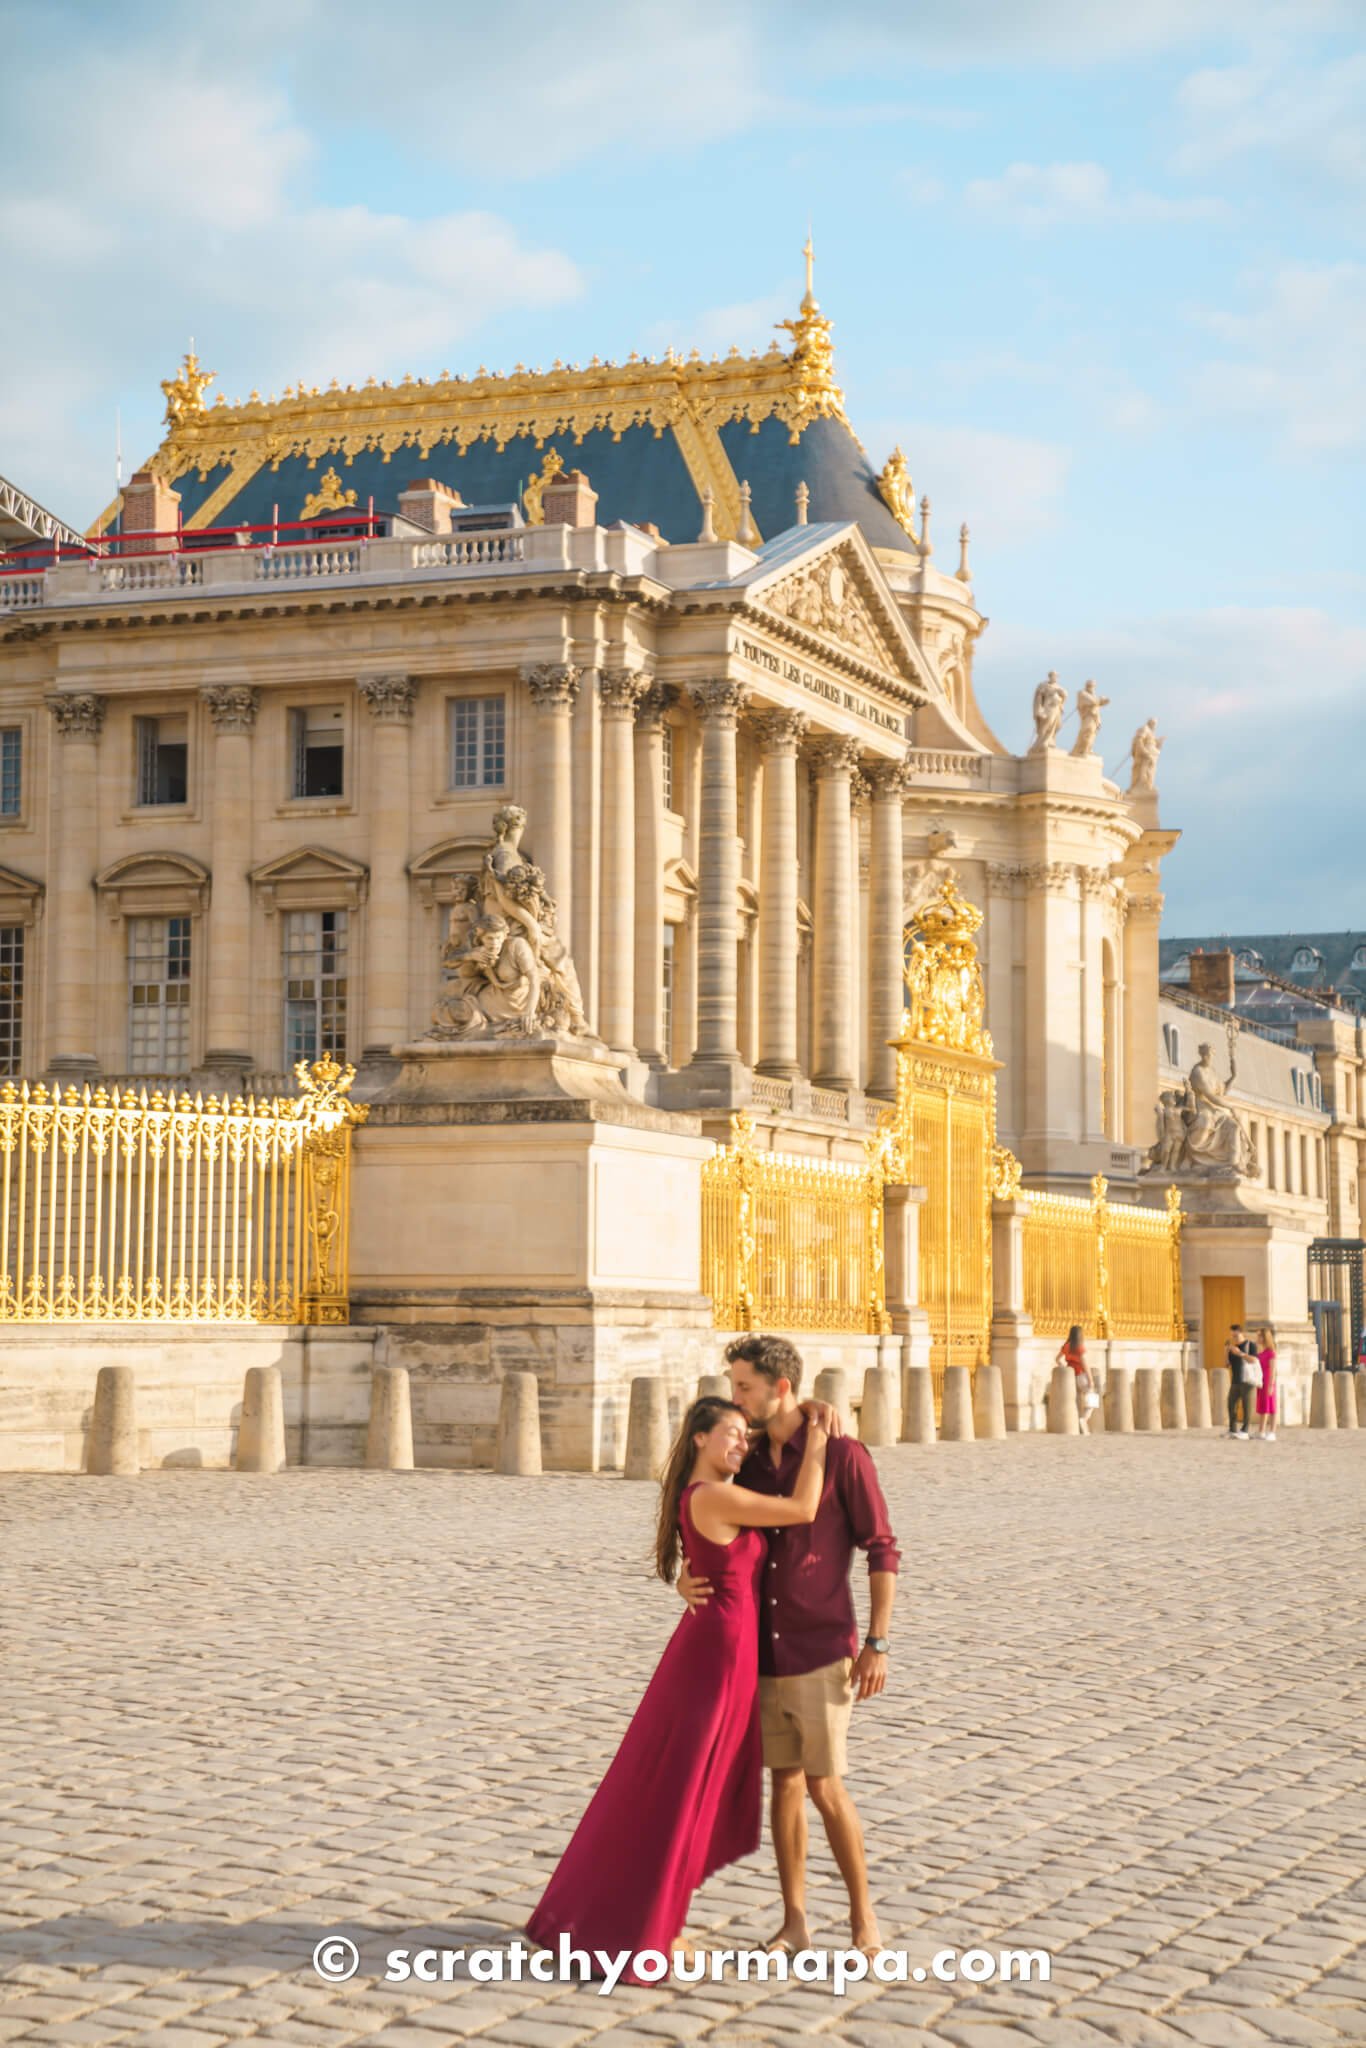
(435, 871)
(21, 897)
(831, 587)
(310, 878)
(153, 884)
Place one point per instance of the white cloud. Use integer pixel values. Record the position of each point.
(746, 325)
(1307, 119)
(1264, 712)
(1077, 195)
(1296, 358)
(1007, 487)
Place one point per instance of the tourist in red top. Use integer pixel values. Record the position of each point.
(1073, 1353)
(812, 1667)
(683, 1794)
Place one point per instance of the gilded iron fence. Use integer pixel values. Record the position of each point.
(120, 1205)
(1115, 1271)
(790, 1243)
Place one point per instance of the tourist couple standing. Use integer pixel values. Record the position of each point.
(763, 1668)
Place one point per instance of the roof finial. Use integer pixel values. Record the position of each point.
(964, 573)
(708, 532)
(809, 251)
(925, 548)
(803, 502)
(746, 533)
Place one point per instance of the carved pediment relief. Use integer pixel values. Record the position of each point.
(310, 878)
(153, 885)
(825, 598)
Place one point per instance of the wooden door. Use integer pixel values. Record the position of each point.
(1221, 1304)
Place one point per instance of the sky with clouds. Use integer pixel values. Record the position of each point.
(1100, 270)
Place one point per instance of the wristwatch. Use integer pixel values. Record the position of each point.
(878, 1643)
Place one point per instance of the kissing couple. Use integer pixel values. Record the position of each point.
(765, 1500)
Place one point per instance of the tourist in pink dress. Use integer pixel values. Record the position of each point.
(1266, 1392)
(682, 1795)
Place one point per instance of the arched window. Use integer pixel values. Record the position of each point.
(1306, 960)
(1359, 959)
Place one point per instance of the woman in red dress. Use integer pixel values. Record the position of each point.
(682, 1795)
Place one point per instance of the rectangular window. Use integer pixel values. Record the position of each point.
(478, 742)
(1304, 1164)
(667, 756)
(158, 995)
(1289, 1164)
(1270, 1157)
(317, 745)
(667, 991)
(11, 771)
(11, 998)
(315, 984)
(163, 751)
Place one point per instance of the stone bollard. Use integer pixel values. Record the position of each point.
(1148, 1397)
(1219, 1384)
(917, 1406)
(1323, 1412)
(955, 1425)
(1345, 1395)
(1119, 1400)
(713, 1386)
(832, 1385)
(1063, 1419)
(261, 1431)
(988, 1403)
(1095, 1422)
(1173, 1398)
(517, 1451)
(1197, 1398)
(389, 1438)
(114, 1424)
(647, 1429)
(877, 1415)
(1360, 1378)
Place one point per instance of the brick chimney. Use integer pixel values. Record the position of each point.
(151, 506)
(570, 501)
(1211, 977)
(429, 503)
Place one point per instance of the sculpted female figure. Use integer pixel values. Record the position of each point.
(1214, 1136)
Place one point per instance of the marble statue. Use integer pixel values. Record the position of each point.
(506, 971)
(1197, 1132)
(1090, 703)
(1050, 701)
(1145, 748)
(926, 878)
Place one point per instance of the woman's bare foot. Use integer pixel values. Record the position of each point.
(867, 1939)
(793, 1935)
(683, 1950)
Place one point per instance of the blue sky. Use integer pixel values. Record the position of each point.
(1099, 270)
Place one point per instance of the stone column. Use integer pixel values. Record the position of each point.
(232, 708)
(553, 687)
(779, 734)
(649, 936)
(886, 952)
(390, 702)
(71, 906)
(620, 690)
(832, 1059)
(1142, 987)
(719, 703)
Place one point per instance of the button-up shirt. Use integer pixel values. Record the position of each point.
(806, 1611)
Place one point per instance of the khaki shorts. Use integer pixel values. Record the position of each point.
(804, 1720)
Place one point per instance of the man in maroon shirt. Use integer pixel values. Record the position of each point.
(812, 1667)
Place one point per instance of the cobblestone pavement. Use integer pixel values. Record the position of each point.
(241, 1712)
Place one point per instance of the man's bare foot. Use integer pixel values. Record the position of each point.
(793, 1935)
(867, 1939)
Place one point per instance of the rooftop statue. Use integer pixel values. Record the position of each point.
(1144, 749)
(1090, 704)
(506, 971)
(1050, 701)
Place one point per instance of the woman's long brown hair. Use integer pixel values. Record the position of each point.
(700, 1419)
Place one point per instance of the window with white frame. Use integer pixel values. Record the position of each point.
(318, 750)
(667, 994)
(478, 742)
(163, 746)
(668, 741)
(11, 771)
(1171, 1041)
(11, 998)
(315, 971)
(158, 995)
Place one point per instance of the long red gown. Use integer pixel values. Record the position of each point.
(683, 1794)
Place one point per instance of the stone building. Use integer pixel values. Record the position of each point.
(252, 750)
